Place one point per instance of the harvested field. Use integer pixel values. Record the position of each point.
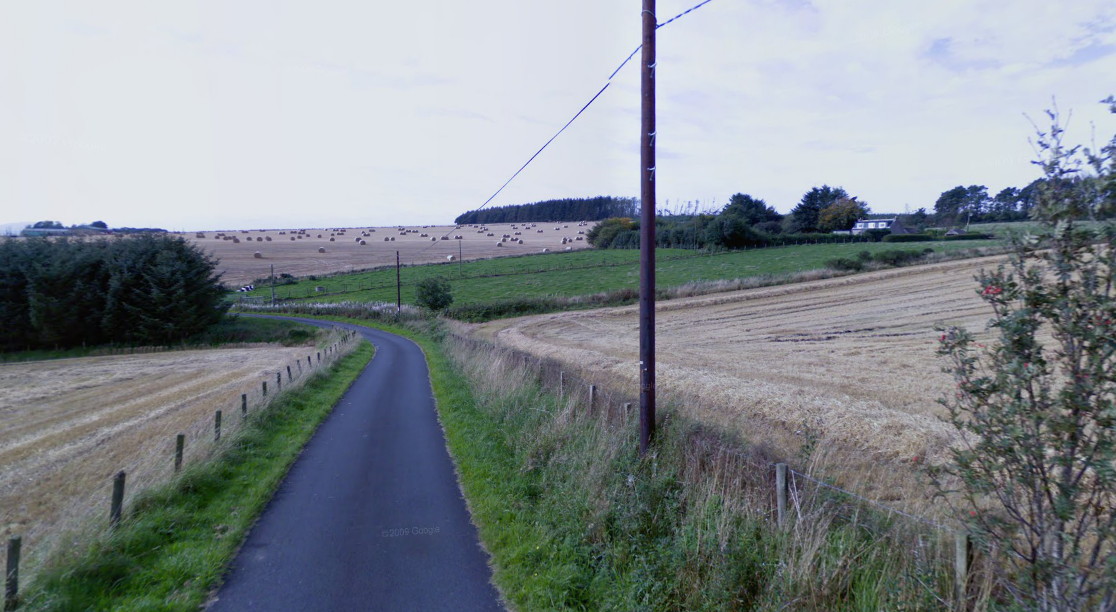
(297, 251)
(850, 359)
(71, 424)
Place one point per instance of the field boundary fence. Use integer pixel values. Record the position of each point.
(792, 495)
(158, 462)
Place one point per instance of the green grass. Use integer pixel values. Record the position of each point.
(575, 519)
(584, 272)
(176, 540)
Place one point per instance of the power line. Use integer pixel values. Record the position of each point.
(587, 104)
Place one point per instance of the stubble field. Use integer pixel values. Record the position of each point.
(297, 251)
(850, 361)
(71, 424)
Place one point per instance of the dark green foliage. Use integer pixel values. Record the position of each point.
(893, 257)
(566, 209)
(907, 238)
(433, 293)
(845, 264)
(603, 233)
(146, 289)
(804, 216)
(968, 236)
(752, 211)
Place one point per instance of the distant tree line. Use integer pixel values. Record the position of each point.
(747, 221)
(548, 211)
(55, 228)
(142, 289)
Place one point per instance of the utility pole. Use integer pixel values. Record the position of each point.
(647, 232)
(398, 287)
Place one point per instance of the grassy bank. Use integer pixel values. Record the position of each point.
(176, 539)
(575, 519)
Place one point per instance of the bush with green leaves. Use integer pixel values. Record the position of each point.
(1034, 473)
(434, 293)
(141, 289)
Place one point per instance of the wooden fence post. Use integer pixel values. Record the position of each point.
(592, 397)
(179, 445)
(217, 426)
(265, 388)
(561, 384)
(278, 382)
(781, 493)
(962, 555)
(243, 405)
(319, 356)
(289, 377)
(11, 580)
(117, 499)
(299, 362)
(627, 407)
(308, 362)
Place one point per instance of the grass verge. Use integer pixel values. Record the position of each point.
(177, 538)
(575, 519)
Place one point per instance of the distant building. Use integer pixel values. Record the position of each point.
(893, 224)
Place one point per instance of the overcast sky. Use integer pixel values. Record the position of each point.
(232, 114)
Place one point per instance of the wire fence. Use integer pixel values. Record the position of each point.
(154, 454)
(789, 493)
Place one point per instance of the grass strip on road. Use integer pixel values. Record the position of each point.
(177, 539)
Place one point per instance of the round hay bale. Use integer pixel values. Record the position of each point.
(546, 250)
(331, 239)
(321, 249)
(258, 238)
(257, 255)
(292, 238)
(267, 238)
(362, 243)
(451, 257)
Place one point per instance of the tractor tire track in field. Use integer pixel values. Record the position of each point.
(370, 517)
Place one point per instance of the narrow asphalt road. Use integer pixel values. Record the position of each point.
(370, 516)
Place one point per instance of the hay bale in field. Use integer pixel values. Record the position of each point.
(321, 249)
(434, 239)
(292, 238)
(331, 239)
(236, 240)
(499, 244)
(520, 241)
(362, 243)
(568, 248)
(267, 238)
(257, 255)
(451, 257)
(393, 238)
(546, 250)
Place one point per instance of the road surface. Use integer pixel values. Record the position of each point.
(370, 516)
